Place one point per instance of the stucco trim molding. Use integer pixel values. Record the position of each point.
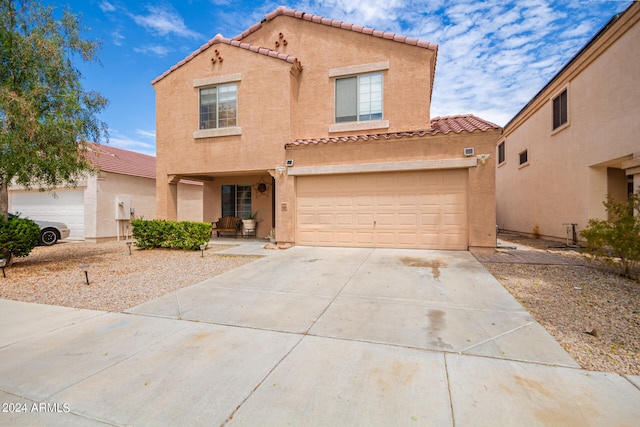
(359, 69)
(210, 81)
(366, 125)
(384, 167)
(213, 133)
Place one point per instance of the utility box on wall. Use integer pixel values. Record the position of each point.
(123, 208)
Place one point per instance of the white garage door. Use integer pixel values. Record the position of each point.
(67, 207)
(422, 209)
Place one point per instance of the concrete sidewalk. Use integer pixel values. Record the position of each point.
(307, 336)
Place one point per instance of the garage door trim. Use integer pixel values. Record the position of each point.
(384, 167)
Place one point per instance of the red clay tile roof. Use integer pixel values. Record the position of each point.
(456, 124)
(116, 160)
(338, 24)
(220, 39)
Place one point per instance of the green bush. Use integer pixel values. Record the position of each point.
(617, 241)
(18, 237)
(184, 235)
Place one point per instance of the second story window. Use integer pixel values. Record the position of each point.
(501, 153)
(359, 98)
(218, 106)
(560, 116)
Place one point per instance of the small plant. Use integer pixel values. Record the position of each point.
(250, 215)
(617, 241)
(272, 235)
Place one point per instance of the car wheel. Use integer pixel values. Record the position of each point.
(48, 237)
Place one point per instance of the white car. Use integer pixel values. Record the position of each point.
(51, 231)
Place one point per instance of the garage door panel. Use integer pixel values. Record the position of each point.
(384, 220)
(364, 238)
(67, 206)
(364, 219)
(426, 209)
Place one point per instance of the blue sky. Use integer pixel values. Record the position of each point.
(493, 56)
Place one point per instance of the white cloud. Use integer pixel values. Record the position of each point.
(125, 142)
(155, 50)
(117, 37)
(164, 21)
(146, 133)
(105, 6)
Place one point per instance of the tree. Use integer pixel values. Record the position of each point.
(618, 238)
(45, 115)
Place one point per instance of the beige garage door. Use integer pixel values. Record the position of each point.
(392, 209)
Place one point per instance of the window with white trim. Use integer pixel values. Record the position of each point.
(218, 106)
(358, 98)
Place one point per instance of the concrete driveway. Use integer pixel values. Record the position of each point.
(307, 336)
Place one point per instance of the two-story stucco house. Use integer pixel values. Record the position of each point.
(323, 128)
(578, 140)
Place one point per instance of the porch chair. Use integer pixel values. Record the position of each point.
(228, 224)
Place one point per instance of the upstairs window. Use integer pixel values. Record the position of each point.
(524, 157)
(501, 153)
(560, 116)
(359, 98)
(218, 106)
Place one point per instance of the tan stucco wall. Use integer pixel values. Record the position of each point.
(190, 202)
(566, 180)
(100, 204)
(276, 104)
(321, 48)
(397, 153)
(279, 103)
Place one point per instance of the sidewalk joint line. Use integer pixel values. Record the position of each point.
(497, 336)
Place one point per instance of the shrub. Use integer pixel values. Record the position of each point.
(618, 238)
(18, 237)
(184, 235)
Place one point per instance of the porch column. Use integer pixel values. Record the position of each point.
(209, 202)
(168, 198)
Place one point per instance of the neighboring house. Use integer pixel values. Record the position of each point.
(323, 128)
(578, 140)
(100, 207)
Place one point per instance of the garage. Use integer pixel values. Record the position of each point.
(67, 207)
(416, 209)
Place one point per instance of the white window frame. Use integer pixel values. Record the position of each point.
(360, 82)
(213, 82)
(355, 71)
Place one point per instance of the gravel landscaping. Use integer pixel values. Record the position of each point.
(117, 280)
(593, 313)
